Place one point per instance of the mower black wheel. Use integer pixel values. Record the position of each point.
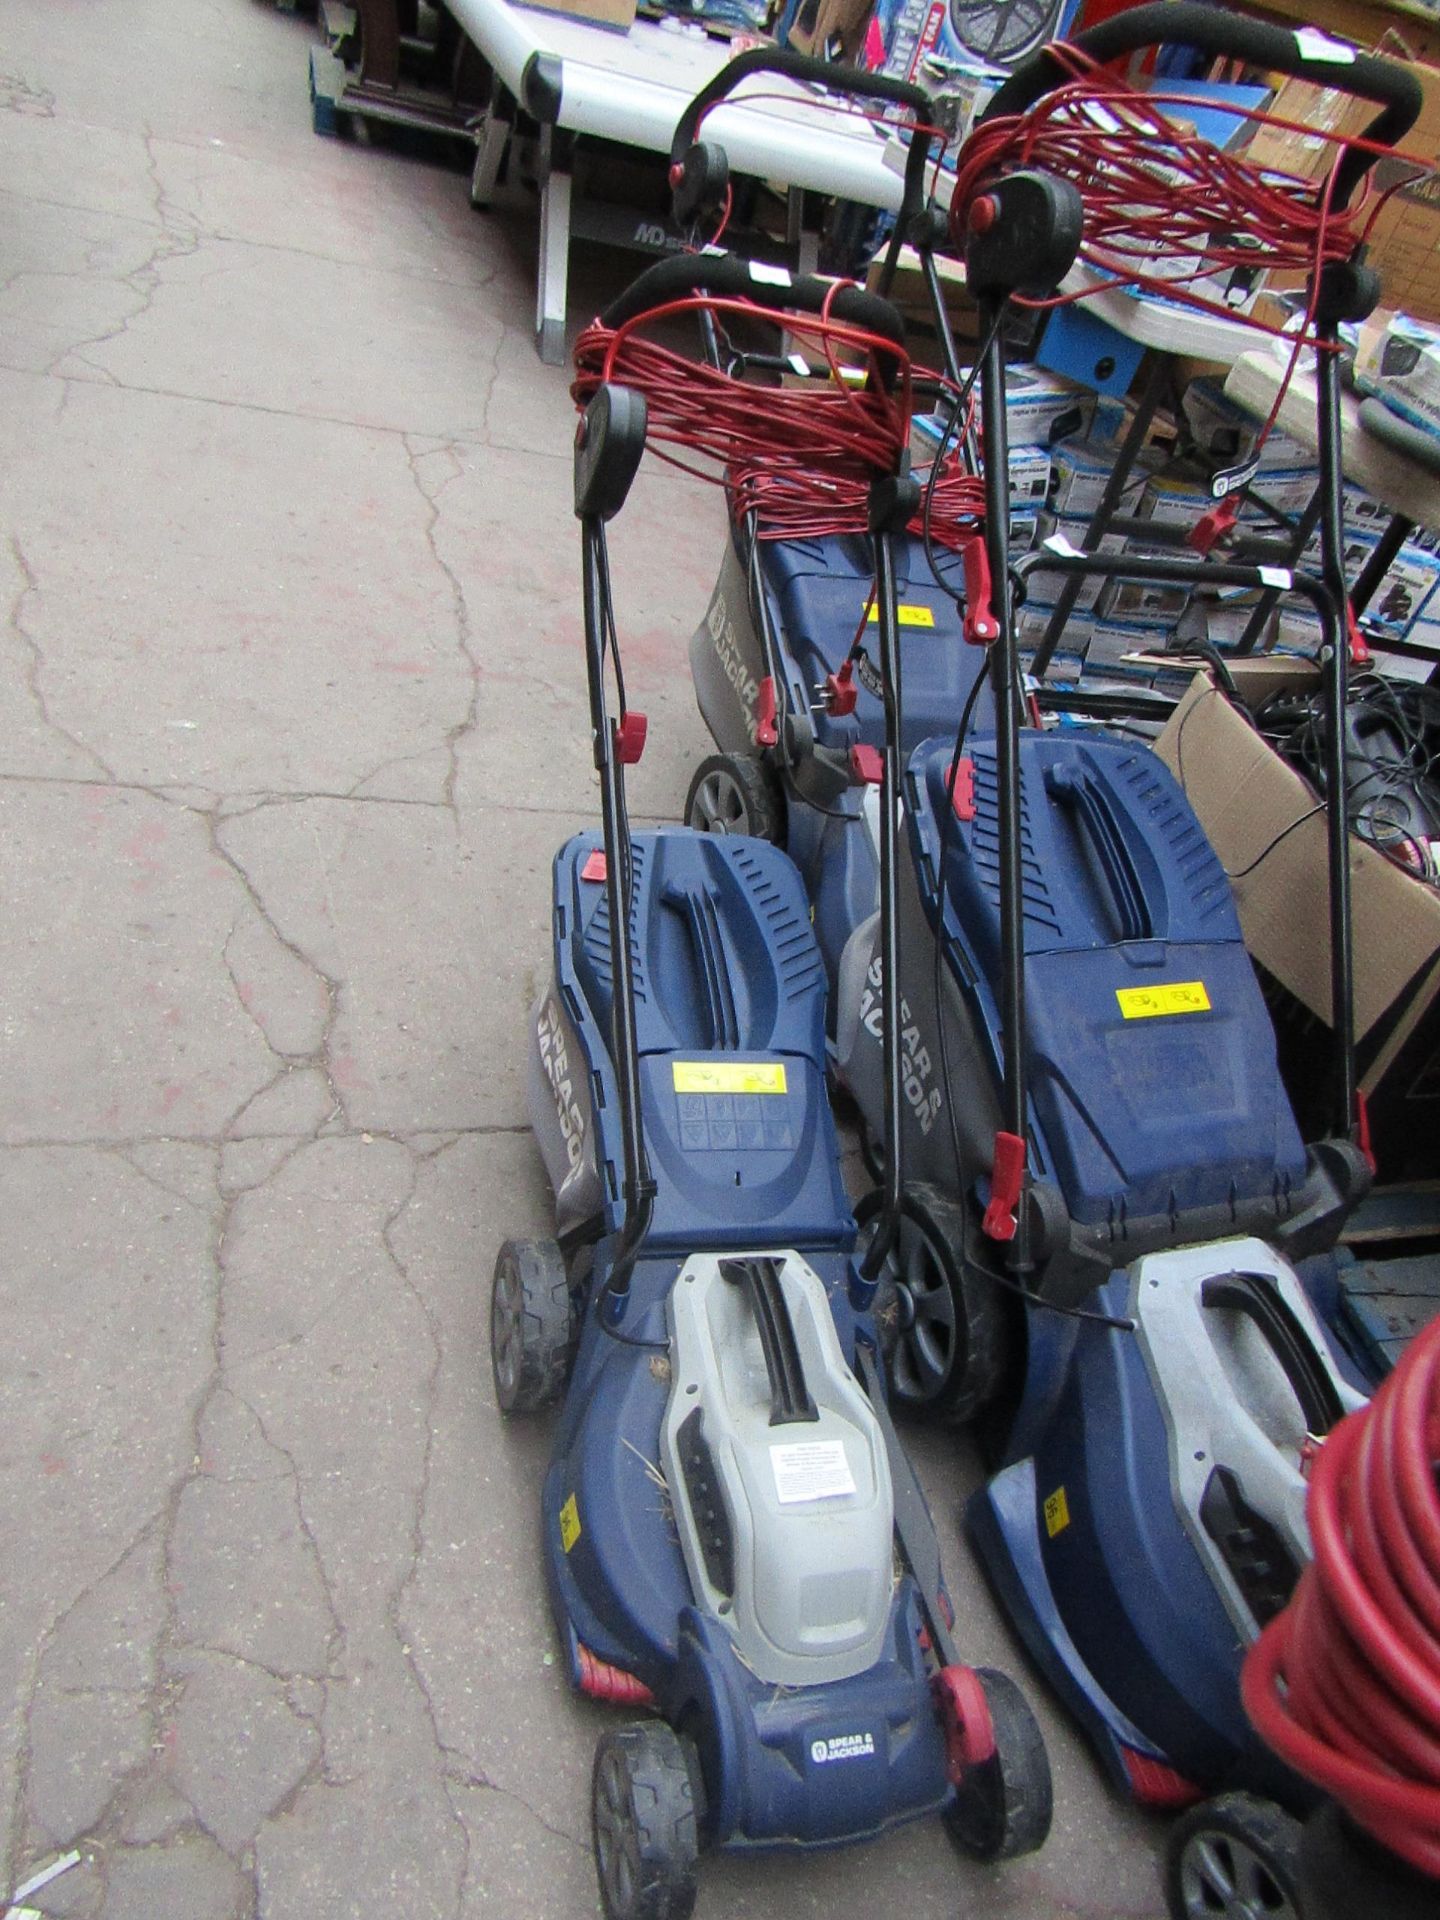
(532, 1325)
(736, 793)
(1002, 1807)
(942, 1321)
(1236, 1857)
(647, 1837)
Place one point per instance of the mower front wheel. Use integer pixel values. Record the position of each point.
(943, 1325)
(1003, 1805)
(532, 1325)
(643, 1819)
(1232, 1858)
(736, 793)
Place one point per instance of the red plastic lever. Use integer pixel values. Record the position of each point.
(1360, 654)
(1362, 1128)
(1214, 525)
(841, 691)
(765, 734)
(1005, 1177)
(962, 789)
(866, 764)
(630, 738)
(981, 628)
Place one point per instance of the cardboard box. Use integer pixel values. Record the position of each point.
(1406, 592)
(1405, 240)
(1258, 814)
(1224, 432)
(1398, 361)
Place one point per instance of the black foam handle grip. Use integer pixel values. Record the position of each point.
(1229, 36)
(850, 81)
(729, 278)
(1257, 1297)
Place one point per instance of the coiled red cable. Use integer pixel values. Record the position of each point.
(1345, 1683)
(1165, 209)
(801, 459)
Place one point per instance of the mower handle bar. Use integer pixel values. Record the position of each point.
(682, 275)
(1231, 36)
(850, 81)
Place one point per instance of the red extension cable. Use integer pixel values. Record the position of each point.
(1345, 1683)
(801, 460)
(1164, 208)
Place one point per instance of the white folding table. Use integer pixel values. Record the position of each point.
(570, 76)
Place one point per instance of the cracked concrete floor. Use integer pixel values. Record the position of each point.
(291, 717)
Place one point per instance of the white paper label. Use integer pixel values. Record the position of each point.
(1280, 577)
(799, 365)
(1057, 543)
(1315, 45)
(769, 276)
(811, 1470)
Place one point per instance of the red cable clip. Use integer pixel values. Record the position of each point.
(962, 789)
(630, 738)
(1360, 654)
(841, 691)
(1005, 1177)
(981, 628)
(866, 765)
(1214, 525)
(1362, 1129)
(765, 734)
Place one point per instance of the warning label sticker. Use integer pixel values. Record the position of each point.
(728, 1076)
(1057, 1513)
(810, 1470)
(569, 1524)
(908, 614)
(1171, 996)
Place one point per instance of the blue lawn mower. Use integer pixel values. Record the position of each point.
(733, 1537)
(1101, 1214)
(1114, 1191)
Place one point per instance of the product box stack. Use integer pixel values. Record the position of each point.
(1042, 412)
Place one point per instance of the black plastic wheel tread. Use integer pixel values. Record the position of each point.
(1006, 1808)
(547, 1338)
(762, 802)
(980, 1307)
(1265, 1828)
(662, 1803)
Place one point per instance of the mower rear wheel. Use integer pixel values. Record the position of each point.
(942, 1320)
(642, 1808)
(736, 793)
(532, 1325)
(1002, 1807)
(1236, 1857)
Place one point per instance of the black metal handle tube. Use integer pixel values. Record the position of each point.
(595, 573)
(1004, 677)
(1219, 31)
(888, 619)
(852, 82)
(1337, 791)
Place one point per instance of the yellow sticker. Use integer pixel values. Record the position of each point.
(908, 615)
(569, 1524)
(729, 1076)
(1172, 996)
(1057, 1513)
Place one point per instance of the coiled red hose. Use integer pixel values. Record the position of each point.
(1345, 1683)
